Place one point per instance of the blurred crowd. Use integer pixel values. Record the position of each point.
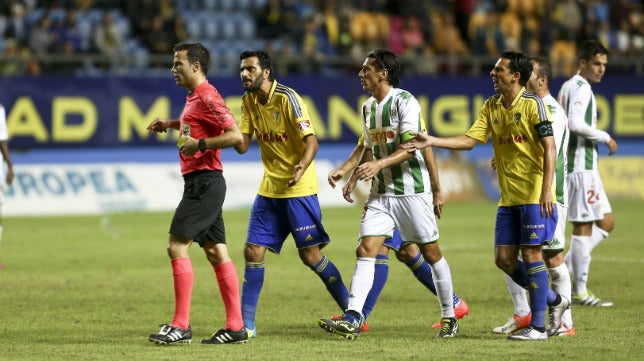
(124, 37)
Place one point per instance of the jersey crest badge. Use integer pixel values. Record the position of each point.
(517, 118)
(304, 124)
(577, 105)
(552, 109)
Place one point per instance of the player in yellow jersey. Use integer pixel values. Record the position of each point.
(524, 148)
(539, 84)
(287, 201)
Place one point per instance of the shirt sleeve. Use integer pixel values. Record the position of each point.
(300, 115)
(579, 103)
(246, 125)
(409, 112)
(481, 130)
(543, 114)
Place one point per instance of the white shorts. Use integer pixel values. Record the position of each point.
(558, 242)
(587, 201)
(412, 215)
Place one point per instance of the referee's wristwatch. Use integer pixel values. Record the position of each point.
(202, 145)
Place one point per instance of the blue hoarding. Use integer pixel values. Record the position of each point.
(60, 112)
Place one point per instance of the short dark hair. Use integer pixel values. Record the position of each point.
(519, 62)
(195, 53)
(385, 59)
(590, 48)
(545, 68)
(265, 61)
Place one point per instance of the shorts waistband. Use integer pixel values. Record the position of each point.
(198, 173)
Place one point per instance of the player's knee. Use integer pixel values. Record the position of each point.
(607, 224)
(403, 256)
(253, 253)
(407, 253)
(216, 253)
(364, 250)
(383, 251)
(310, 256)
(431, 252)
(506, 265)
(177, 246)
(553, 258)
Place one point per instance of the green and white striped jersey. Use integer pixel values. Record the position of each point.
(560, 130)
(578, 100)
(384, 126)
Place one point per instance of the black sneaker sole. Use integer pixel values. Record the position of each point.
(164, 343)
(327, 328)
(208, 342)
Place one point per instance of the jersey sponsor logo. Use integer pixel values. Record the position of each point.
(304, 124)
(305, 228)
(381, 136)
(272, 137)
(533, 235)
(521, 138)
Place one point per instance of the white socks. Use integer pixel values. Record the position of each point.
(560, 283)
(580, 262)
(596, 237)
(361, 283)
(519, 297)
(442, 277)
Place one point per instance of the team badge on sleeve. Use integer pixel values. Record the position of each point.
(304, 124)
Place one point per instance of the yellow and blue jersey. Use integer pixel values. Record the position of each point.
(280, 126)
(517, 146)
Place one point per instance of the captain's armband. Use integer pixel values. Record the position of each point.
(544, 129)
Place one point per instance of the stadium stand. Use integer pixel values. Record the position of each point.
(318, 36)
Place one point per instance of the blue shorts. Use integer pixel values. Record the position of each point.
(395, 242)
(523, 226)
(273, 219)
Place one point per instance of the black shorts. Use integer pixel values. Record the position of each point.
(199, 214)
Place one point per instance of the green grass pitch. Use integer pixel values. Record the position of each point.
(93, 288)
